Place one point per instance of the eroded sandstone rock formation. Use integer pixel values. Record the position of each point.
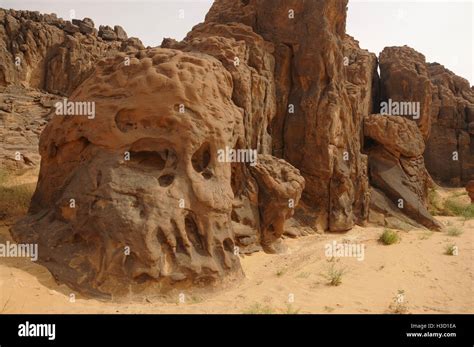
(49, 53)
(446, 111)
(277, 77)
(397, 167)
(23, 115)
(314, 117)
(171, 203)
(449, 153)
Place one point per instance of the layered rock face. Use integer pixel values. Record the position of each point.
(404, 81)
(23, 116)
(449, 153)
(46, 52)
(397, 167)
(446, 111)
(314, 117)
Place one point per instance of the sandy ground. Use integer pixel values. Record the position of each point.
(431, 281)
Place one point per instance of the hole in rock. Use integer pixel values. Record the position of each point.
(193, 234)
(125, 120)
(77, 238)
(148, 159)
(142, 278)
(166, 180)
(234, 216)
(202, 157)
(229, 245)
(207, 174)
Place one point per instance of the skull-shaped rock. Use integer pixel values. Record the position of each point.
(132, 195)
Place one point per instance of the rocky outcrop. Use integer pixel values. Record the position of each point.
(446, 117)
(396, 165)
(23, 115)
(49, 53)
(174, 216)
(314, 114)
(449, 153)
(362, 86)
(201, 150)
(280, 187)
(405, 85)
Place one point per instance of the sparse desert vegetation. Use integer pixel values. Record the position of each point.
(389, 237)
(334, 274)
(399, 304)
(451, 249)
(454, 231)
(453, 204)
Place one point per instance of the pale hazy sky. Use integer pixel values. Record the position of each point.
(442, 30)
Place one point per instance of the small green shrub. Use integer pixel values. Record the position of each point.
(456, 208)
(334, 274)
(451, 249)
(453, 231)
(389, 237)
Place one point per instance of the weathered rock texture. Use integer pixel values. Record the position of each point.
(310, 79)
(396, 165)
(278, 77)
(23, 115)
(452, 131)
(447, 111)
(46, 52)
(172, 202)
(404, 78)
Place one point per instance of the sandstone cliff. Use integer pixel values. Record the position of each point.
(45, 52)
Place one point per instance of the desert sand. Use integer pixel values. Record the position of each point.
(432, 281)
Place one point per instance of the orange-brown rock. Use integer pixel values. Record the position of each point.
(280, 186)
(397, 167)
(404, 79)
(449, 153)
(446, 117)
(170, 205)
(23, 115)
(314, 127)
(46, 52)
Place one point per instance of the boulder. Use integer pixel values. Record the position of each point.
(107, 33)
(121, 34)
(152, 197)
(397, 167)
